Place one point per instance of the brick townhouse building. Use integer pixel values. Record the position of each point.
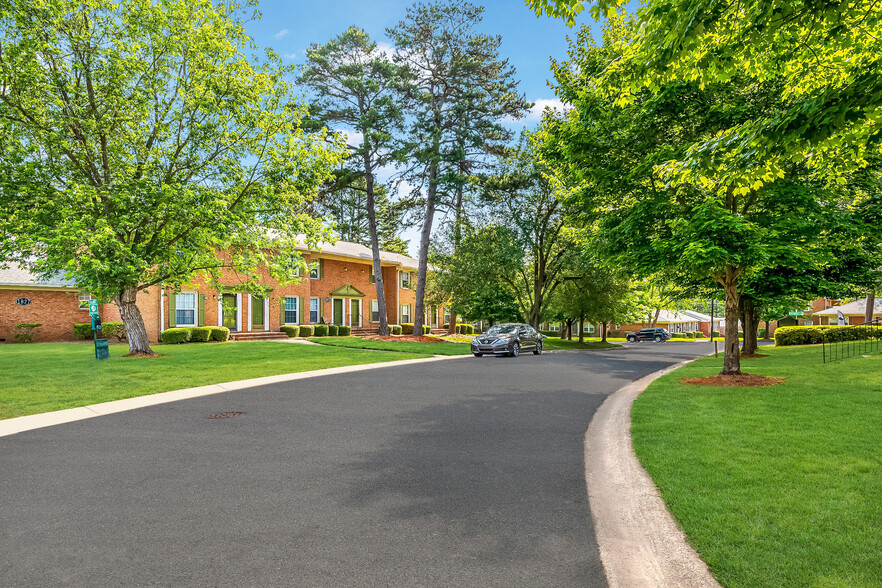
(339, 289)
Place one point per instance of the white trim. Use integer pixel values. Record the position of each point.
(266, 313)
(297, 311)
(195, 309)
(161, 310)
(397, 299)
(220, 309)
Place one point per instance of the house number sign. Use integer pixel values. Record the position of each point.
(22, 301)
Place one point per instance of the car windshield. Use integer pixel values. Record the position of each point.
(502, 329)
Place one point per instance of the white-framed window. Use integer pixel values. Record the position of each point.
(185, 309)
(375, 311)
(314, 314)
(405, 282)
(83, 300)
(591, 329)
(405, 313)
(446, 316)
(290, 310)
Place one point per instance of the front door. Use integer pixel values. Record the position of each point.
(354, 317)
(257, 313)
(228, 307)
(338, 311)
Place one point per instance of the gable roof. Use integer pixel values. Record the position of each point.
(15, 275)
(858, 307)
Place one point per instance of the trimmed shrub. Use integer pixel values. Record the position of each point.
(426, 329)
(458, 329)
(200, 334)
(407, 328)
(679, 336)
(468, 329)
(115, 330)
(716, 333)
(333, 330)
(220, 334)
(395, 329)
(344, 331)
(812, 335)
(290, 330)
(175, 335)
(761, 333)
(445, 326)
(307, 330)
(82, 330)
(25, 332)
(613, 333)
(321, 330)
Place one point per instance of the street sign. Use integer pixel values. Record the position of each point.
(93, 307)
(797, 314)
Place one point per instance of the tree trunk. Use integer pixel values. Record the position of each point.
(375, 246)
(655, 318)
(451, 328)
(750, 324)
(731, 359)
(581, 327)
(136, 333)
(419, 305)
(563, 330)
(768, 334)
(570, 329)
(603, 328)
(871, 307)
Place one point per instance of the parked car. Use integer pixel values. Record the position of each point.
(508, 339)
(657, 335)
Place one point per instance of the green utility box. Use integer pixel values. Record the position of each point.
(102, 351)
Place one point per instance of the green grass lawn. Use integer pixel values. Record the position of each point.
(552, 343)
(440, 348)
(43, 378)
(775, 486)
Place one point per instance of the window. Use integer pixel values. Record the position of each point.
(405, 313)
(314, 315)
(405, 281)
(83, 300)
(375, 311)
(372, 278)
(185, 309)
(290, 310)
(317, 271)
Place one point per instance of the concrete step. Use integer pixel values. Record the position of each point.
(258, 336)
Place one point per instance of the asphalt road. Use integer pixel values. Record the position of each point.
(467, 472)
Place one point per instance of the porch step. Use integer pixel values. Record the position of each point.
(258, 336)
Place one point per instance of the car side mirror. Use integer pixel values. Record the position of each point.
(545, 336)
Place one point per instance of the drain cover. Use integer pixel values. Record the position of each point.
(225, 415)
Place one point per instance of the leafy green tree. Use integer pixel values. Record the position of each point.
(358, 86)
(142, 142)
(461, 92)
(822, 59)
(610, 154)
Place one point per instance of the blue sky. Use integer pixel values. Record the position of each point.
(528, 42)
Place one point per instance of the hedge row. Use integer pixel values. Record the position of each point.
(461, 328)
(407, 329)
(194, 334)
(813, 335)
(108, 330)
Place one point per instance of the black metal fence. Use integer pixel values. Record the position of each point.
(852, 341)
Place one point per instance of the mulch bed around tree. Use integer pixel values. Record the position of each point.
(406, 339)
(734, 380)
(753, 356)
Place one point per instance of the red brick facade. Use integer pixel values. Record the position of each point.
(343, 284)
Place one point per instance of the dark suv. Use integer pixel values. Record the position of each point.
(657, 335)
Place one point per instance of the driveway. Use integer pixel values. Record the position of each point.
(467, 472)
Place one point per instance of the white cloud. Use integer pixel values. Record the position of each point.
(535, 113)
(385, 48)
(281, 33)
(290, 55)
(353, 138)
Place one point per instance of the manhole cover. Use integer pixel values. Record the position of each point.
(225, 415)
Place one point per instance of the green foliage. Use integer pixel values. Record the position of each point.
(761, 333)
(344, 331)
(290, 330)
(220, 334)
(25, 332)
(407, 328)
(175, 335)
(307, 330)
(321, 330)
(332, 331)
(813, 335)
(154, 146)
(426, 329)
(395, 329)
(116, 330)
(82, 330)
(200, 334)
